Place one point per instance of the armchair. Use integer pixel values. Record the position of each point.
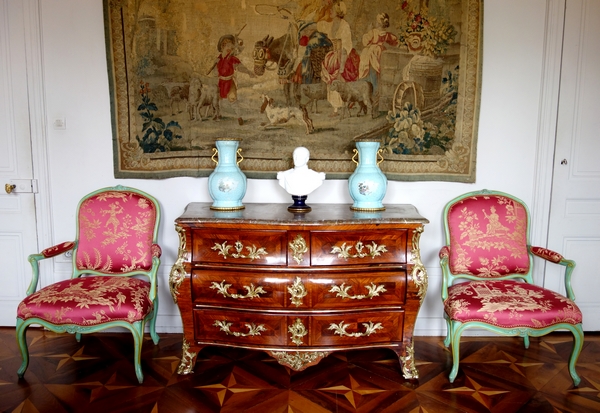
(487, 248)
(114, 275)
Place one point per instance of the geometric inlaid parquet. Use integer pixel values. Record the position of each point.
(497, 374)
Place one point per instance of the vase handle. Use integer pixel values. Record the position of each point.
(380, 156)
(354, 156)
(239, 152)
(215, 152)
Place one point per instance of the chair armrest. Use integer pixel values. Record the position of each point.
(34, 260)
(444, 252)
(546, 254)
(444, 255)
(156, 250)
(556, 258)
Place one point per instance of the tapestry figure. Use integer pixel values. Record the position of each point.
(375, 42)
(227, 64)
(343, 61)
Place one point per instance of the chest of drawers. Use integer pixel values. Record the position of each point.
(299, 286)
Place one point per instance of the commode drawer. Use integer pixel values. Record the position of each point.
(298, 291)
(231, 288)
(240, 247)
(358, 290)
(358, 247)
(357, 328)
(297, 330)
(238, 327)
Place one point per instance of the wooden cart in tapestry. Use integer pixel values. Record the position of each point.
(417, 93)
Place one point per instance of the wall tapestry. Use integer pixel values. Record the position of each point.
(280, 74)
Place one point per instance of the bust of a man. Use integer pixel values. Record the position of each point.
(300, 180)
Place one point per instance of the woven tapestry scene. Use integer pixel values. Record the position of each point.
(281, 74)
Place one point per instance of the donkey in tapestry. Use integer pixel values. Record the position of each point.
(281, 53)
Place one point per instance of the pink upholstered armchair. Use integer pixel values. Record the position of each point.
(488, 251)
(114, 278)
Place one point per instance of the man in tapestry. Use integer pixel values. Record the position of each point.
(375, 42)
(227, 64)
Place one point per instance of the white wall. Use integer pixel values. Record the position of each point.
(81, 159)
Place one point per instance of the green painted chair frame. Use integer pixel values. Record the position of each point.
(456, 328)
(137, 328)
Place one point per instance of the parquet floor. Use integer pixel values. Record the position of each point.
(497, 374)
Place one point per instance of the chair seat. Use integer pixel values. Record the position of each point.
(89, 301)
(509, 304)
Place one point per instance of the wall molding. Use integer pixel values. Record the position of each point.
(38, 132)
(547, 122)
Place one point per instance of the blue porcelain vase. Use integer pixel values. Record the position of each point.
(367, 184)
(227, 183)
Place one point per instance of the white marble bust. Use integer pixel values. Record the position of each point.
(300, 180)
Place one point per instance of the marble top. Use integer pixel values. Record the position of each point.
(270, 213)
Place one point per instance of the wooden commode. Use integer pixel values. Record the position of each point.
(299, 286)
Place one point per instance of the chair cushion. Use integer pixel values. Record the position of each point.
(89, 301)
(115, 232)
(488, 235)
(509, 304)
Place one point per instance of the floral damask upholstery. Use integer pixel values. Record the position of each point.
(509, 304)
(487, 275)
(114, 280)
(488, 235)
(115, 232)
(88, 301)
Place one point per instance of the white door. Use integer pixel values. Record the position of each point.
(18, 236)
(574, 228)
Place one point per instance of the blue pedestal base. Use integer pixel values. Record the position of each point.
(299, 205)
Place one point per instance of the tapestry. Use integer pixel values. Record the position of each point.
(280, 74)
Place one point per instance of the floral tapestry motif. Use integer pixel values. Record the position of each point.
(489, 238)
(115, 232)
(509, 304)
(103, 298)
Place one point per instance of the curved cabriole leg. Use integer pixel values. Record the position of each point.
(153, 332)
(526, 341)
(455, 329)
(447, 340)
(188, 358)
(137, 330)
(577, 331)
(21, 330)
(406, 357)
(78, 337)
